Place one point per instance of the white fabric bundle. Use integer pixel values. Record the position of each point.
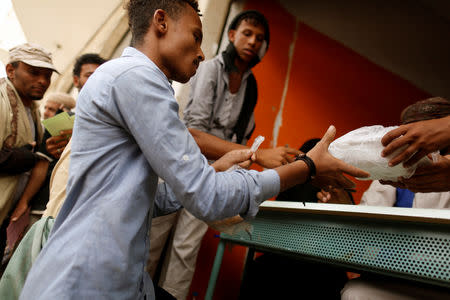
(362, 148)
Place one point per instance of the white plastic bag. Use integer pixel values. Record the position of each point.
(362, 148)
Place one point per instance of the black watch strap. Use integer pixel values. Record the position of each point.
(310, 163)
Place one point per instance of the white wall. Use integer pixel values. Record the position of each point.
(63, 27)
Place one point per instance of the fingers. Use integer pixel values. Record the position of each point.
(64, 136)
(67, 132)
(398, 184)
(391, 135)
(290, 158)
(353, 171)
(426, 169)
(17, 214)
(394, 145)
(403, 156)
(415, 158)
(344, 182)
(292, 151)
(58, 145)
(56, 139)
(323, 196)
(328, 137)
(246, 164)
(240, 156)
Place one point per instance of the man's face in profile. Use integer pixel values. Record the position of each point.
(184, 36)
(86, 71)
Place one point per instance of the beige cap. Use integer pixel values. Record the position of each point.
(61, 98)
(33, 55)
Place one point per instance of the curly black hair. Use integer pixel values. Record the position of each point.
(140, 12)
(88, 58)
(255, 18)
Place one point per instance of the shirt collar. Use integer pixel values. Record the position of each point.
(225, 75)
(133, 52)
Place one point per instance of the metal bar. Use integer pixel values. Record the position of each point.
(215, 270)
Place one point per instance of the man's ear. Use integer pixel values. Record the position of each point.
(76, 81)
(231, 35)
(10, 71)
(160, 21)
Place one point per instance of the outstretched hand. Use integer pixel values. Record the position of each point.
(334, 195)
(242, 157)
(330, 170)
(427, 178)
(418, 138)
(20, 209)
(274, 157)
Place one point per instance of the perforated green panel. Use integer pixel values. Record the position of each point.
(414, 251)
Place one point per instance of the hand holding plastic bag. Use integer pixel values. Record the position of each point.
(362, 148)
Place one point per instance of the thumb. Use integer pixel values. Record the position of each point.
(244, 155)
(328, 137)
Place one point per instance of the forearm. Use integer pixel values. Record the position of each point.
(17, 160)
(211, 146)
(292, 174)
(35, 182)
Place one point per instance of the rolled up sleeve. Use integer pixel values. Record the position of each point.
(150, 116)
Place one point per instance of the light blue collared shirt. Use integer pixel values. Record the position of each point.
(126, 134)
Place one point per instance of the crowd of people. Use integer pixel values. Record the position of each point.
(132, 187)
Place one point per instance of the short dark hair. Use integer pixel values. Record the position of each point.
(427, 109)
(88, 58)
(140, 12)
(253, 17)
(309, 144)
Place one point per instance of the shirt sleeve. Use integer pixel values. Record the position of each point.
(165, 201)
(379, 195)
(149, 113)
(200, 107)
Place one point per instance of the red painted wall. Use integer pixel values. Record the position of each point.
(328, 84)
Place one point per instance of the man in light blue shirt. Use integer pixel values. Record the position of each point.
(127, 134)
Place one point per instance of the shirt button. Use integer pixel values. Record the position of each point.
(185, 157)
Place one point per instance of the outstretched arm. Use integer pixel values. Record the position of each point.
(329, 170)
(429, 178)
(35, 182)
(214, 148)
(419, 138)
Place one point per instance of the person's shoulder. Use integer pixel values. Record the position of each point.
(124, 64)
(126, 68)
